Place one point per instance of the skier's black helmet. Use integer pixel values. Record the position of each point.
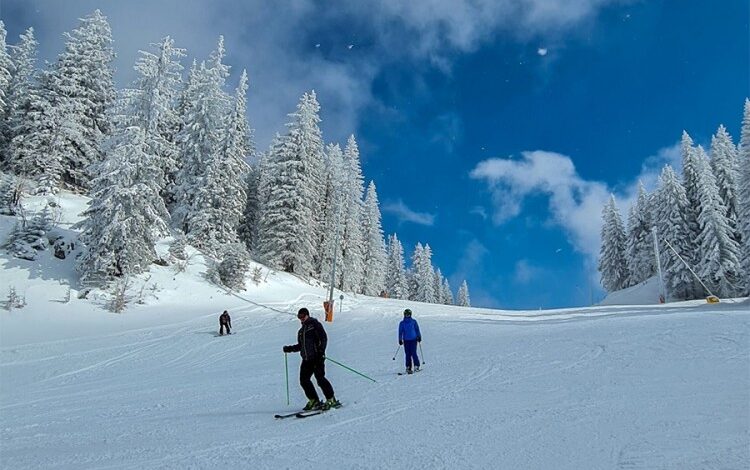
(302, 313)
(407, 312)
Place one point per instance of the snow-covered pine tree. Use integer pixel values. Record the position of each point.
(30, 237)
(640, 244)
(429, 275)
(463, 299)
(724, 165)
(423, 274)
(719, 266)
(243, 130)
(289, 224)
(31, 122)
(439, 286)
(612, 258)
(448, 293)
(214, 218)
(206, 107)
(38, 146)
(6, 72)
(125, 214)
(743, 196)
(81, 88)
(234, 266)
(352, 238)
(249, 226)
(670, 207)
(395, 279)
(411, 273)
(152, 104)
(690, 166)
(374, 254)
(334, 183)
(11, 192)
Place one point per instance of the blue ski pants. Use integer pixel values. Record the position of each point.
(410, 350)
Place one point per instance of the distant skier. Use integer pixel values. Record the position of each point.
(225, 321)
(311, 344)
(409, 336)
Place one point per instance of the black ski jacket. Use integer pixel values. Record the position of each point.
(224, 319)
(311, 340)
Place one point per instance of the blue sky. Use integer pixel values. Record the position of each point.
(493, 129)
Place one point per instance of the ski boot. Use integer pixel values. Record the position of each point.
(331, 403)
(409, 370)
(312, 405)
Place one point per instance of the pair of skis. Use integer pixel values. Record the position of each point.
(299, 414)
(302, 414)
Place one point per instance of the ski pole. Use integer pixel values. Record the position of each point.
(286, 368)
(421, 353)
(394, 355)
(350, 369)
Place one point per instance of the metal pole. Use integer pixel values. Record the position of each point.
(662, 293)
(688, 266)
(350, 369)
(335, 255)
(286, 368)
(333, 268)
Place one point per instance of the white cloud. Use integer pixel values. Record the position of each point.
(542, 51)
(277, 41)
(575, 204)
(405, 214)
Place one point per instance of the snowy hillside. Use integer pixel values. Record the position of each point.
(664, 386)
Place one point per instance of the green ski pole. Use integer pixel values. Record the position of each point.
(350, 369)
(286, 368)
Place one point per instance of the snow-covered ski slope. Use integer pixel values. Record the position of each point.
(595, 388)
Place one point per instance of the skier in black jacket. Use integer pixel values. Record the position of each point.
(225, 321)
(311, 344)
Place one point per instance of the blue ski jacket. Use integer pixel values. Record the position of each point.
(408, 330)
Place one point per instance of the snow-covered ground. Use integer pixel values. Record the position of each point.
(660, 386)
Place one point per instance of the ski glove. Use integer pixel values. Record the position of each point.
(287, 349)
(419, 339)
(400, 343)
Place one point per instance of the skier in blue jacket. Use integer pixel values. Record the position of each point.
(409, 336)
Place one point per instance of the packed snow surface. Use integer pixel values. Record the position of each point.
(594, 388)
(660, 386)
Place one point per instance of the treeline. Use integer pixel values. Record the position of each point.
(702, 222)
(174, 155)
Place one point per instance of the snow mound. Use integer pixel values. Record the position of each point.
(645, 293)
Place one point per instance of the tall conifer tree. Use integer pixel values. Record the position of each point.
(374, 253)
(613, 264)
(396, 284)
(743, 196)
(289, 227)
(81, 87)
(640, 246)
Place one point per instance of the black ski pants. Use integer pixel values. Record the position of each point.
(221, 328)
(315, 367)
